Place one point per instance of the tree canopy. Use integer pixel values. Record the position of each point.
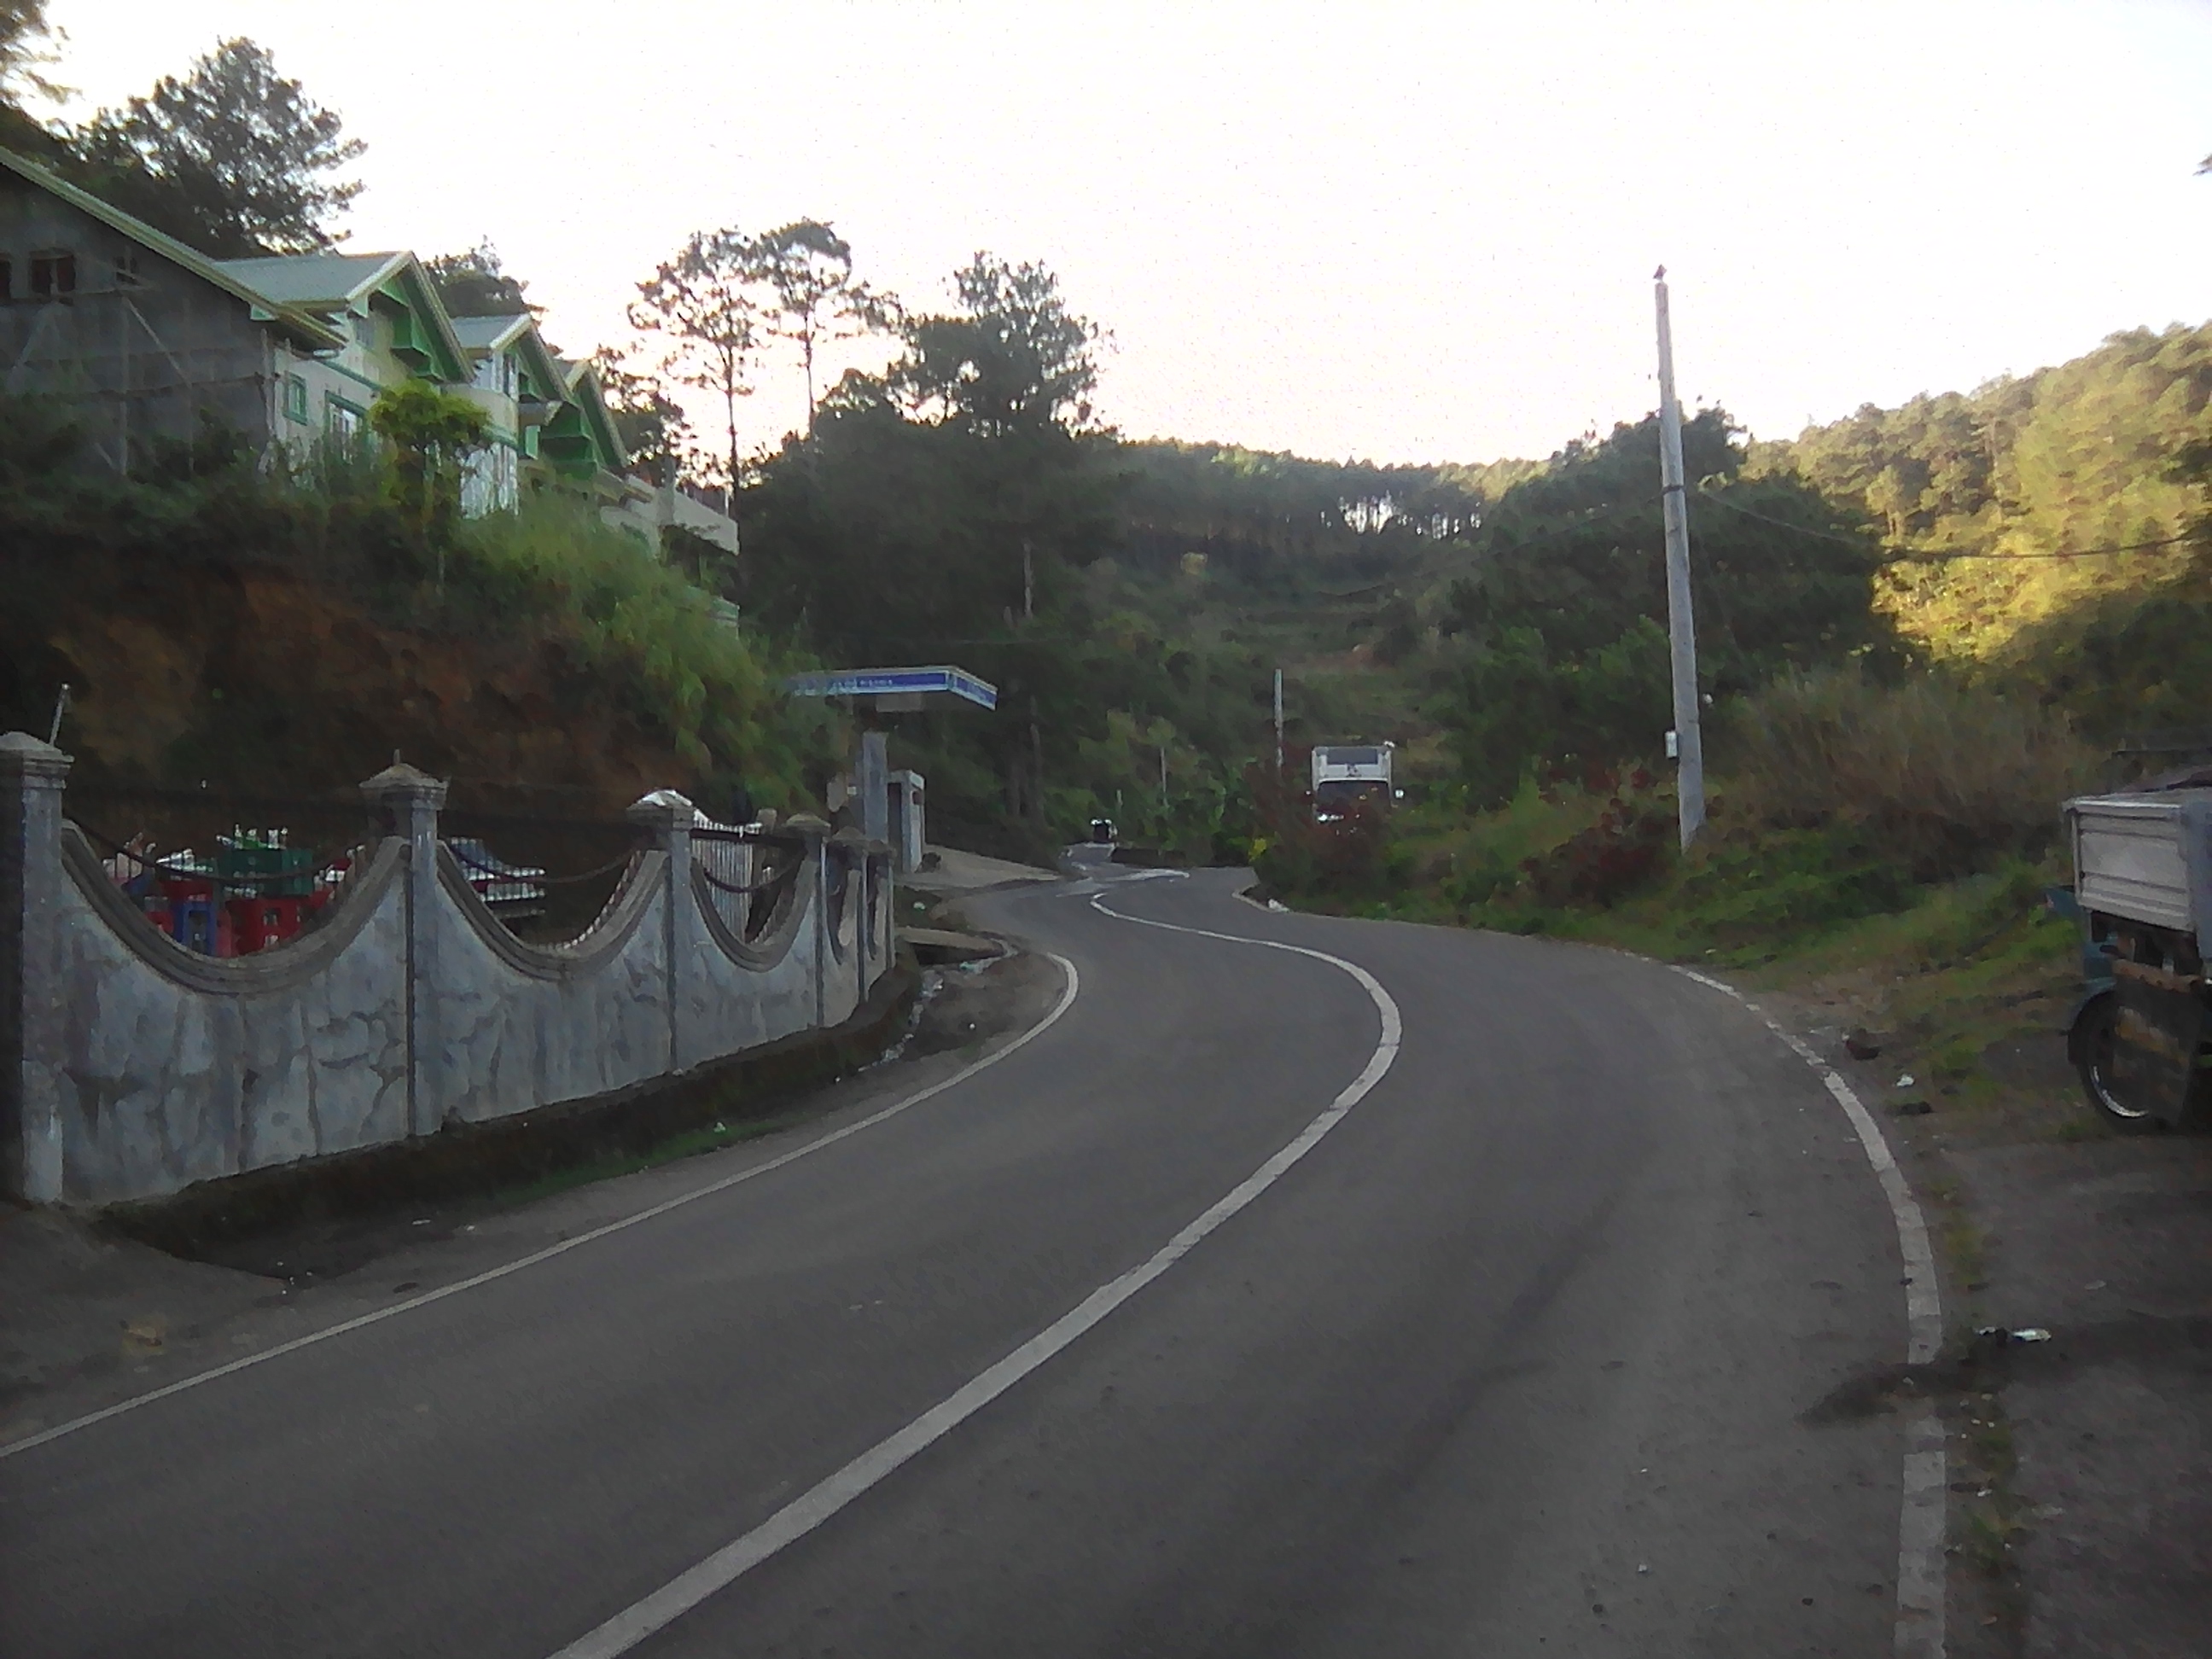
(476, 283)
(1011, 358)
(231, 158)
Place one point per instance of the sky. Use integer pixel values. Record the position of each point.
(1396, 233)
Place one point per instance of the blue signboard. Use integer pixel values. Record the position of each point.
(895, 683)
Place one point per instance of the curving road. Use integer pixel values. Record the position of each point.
(1498, 1342)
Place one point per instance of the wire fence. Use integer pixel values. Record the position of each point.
(229, 874)
(222, 872)
(546, 877)
(747, 872)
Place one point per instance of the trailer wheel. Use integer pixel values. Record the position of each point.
(2093, 1039)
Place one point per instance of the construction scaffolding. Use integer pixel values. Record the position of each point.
(136, 360)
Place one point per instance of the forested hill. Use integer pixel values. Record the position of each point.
(1133, 599)
(1270, 517)
(2046, 531)
(1997, 486)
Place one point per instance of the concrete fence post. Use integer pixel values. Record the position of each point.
(668, 817)
(411, 799)
(33, 775)
(817, 832)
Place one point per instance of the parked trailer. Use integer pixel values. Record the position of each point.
(2142, 882)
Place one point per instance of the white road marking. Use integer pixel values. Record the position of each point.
(1067, 999)
(1920, 1560)
(809, 1510)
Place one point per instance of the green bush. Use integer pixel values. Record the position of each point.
(1787, 883)
(1944, 778)
(1626, 849)
(1351, 857)
(556, 567)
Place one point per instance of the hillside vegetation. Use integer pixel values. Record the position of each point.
(284, 634)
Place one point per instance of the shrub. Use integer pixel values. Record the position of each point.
(1790, 882)
(1945, 779)
(1350, 856)
(432, 433)
(1603, 864)
(556, 569)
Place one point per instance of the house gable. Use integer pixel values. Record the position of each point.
(580, 440)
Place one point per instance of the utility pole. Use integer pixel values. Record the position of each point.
(1278, 724)
(1682, 627)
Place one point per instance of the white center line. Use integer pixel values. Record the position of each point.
(810, 1508)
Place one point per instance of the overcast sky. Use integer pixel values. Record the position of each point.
(1402, 233)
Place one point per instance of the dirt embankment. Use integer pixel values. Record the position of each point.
(257, 678)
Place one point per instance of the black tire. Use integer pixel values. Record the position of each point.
(2093, 1039)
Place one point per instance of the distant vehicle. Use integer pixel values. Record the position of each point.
(2143, 886)
(1101, 832)
(1346, 774)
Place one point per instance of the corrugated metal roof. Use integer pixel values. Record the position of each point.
(316, 279)
(490, 333)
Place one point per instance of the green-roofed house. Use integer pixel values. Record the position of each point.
(143, 336)
(579, 442)
(392, 328)
(147, 339)
(579, 445)
(520, 386)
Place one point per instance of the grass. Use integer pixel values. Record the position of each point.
(690, 1144)
(638, 624)
(1940, 774)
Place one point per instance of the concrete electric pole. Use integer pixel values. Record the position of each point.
(1278, 722)
(1681, 626)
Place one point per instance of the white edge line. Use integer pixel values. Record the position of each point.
(46, 1436)
(1920, 1558)
(634, 1623)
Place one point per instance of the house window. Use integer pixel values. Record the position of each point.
(126, 269)
(53, 273)
(340, 418)
(296, 398)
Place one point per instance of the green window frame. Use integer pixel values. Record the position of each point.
(296, 398)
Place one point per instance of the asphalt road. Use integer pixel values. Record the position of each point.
(1515, 1359)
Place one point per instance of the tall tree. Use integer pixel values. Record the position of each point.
(232, 159)
(476, 283)
(701, 303)
(24, 34)
(1013, 358)
(807, 267)
(655, 433)
(25, 51)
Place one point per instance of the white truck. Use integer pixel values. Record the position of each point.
(2142, 883)
(1346, 774)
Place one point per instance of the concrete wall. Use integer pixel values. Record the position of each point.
(134, 1067)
